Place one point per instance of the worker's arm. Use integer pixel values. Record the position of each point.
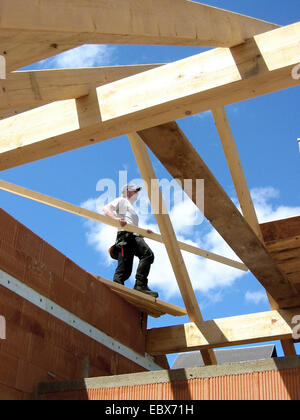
(109, 212)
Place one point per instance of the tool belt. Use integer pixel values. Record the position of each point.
(122, 240)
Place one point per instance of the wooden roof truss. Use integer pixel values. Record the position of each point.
(44, 113)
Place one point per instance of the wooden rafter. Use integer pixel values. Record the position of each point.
(236, 169)
(225, 332)
(177, 154)
(39, 87)
(41, 30)
(79, 211)
(205, 81)
(169, 238)
(199, 83)
(243, 193)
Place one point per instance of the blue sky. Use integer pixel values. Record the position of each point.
(265, 130)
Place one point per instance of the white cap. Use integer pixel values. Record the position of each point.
(130, 187)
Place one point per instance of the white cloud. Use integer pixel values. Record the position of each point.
(100, 236)
(81, 57)
(185, 216)
(256, 297)
(268, 211)
(208, 277)
(203, 115)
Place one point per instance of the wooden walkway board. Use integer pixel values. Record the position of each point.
(148, 304)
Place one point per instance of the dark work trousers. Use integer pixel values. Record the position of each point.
(135, 246)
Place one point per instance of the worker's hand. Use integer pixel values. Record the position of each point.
(123, 222)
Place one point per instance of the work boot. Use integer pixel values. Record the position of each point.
(119, 282)
(146, 290)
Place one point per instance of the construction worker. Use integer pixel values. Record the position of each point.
(129, 244)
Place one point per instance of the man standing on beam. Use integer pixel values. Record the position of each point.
(129, 244)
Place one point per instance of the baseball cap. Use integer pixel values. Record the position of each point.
(131, 187)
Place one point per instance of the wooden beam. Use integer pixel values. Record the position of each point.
(217, 77)
(39, 87)
(179, 157)
(12, 112)
(225, 332)
(79, 211)
(62, 24)
(243, 193)
(199, 83)
(281, 230)
(169, 237)
(282, 239)
(236, 169)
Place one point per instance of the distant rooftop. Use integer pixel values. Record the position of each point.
(245, 354)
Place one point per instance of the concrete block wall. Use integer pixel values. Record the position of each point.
(39, 347)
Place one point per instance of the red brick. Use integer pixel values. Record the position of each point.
(37, 276)
(82, 307)
(102, 319)
(76, 276)
(8, 228)
(53, 260)
(12, 261)
(41, 353)
(128, 329)
(16, 342)
(100, 357)
(28, 243)
(104, 297)
(95, 372)
(47, 343)
(66, 364)
(127, 366)
(83, 346)
(10, 394)
(71, 299)
(10, 304)
(11, 309)
(8, 369)
(97, 291)
(60, 293)
(34, 320)
(59, 333)
(29, 376)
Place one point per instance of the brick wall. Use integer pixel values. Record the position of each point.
(269, 379)
(39, 347)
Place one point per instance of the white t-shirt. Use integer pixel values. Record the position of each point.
(125, 210)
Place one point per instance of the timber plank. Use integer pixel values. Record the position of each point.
(283, 244)
(196, 84)
(224, 332)
(31, 31)
(281, 229)
(38, 87)
(148, 303)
